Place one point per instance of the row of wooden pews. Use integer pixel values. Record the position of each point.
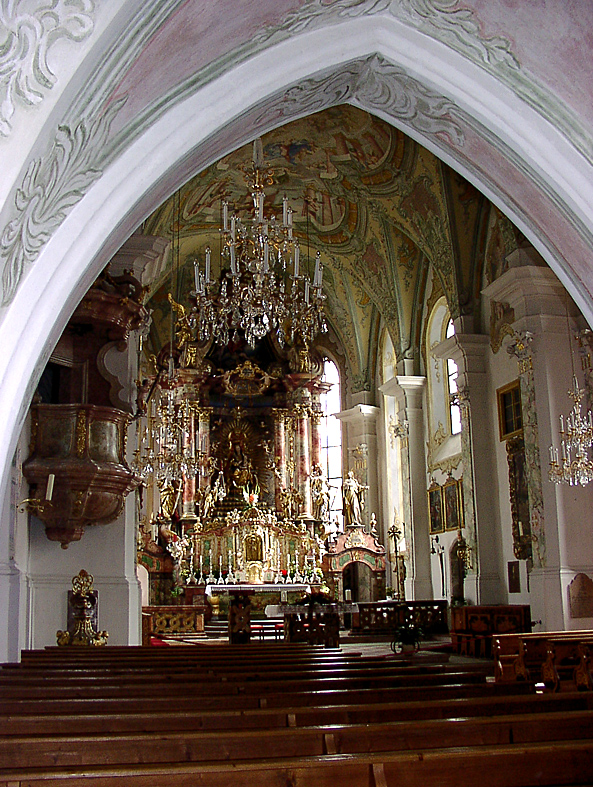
(277, 714)
(559, 660)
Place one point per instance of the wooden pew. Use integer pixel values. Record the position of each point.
(122, 719)
(500, 765)
(474, 627)
(236, 699)
(50, 751)
(521, 656)
(290, 725)
(568, 661)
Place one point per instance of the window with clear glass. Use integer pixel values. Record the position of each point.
(330, 432)
(452, 372)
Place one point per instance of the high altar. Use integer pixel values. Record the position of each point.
(228, 443)
(249, 504)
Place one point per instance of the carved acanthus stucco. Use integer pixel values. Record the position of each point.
(375, 85)
(28, 30)
(398, 429)
(502, 316)
(51, 187)
(441, 19)
(520, 347)
(457, 27)
(446, 466)
(437, 439)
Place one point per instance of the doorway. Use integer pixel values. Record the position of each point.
(358, 578)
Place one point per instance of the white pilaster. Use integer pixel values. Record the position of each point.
(409, 392)
(361, 423)
(563, 546)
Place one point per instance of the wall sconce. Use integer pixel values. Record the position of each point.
(37, 505)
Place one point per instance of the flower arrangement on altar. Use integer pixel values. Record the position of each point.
(321, 596)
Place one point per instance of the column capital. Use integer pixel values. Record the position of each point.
(144, 255)
(468, 350)
(360, 413)
(408, 389)
(405, 382)
(529, 290)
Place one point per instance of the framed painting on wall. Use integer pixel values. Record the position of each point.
(435, 508)
(519, 498)
(452, 505)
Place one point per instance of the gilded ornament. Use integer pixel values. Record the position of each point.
(81, 433)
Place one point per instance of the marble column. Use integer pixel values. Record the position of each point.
(279, 455)
(189, 481)
(303, 459)
(203, 445)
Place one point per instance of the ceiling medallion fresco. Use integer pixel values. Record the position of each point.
(368, 197)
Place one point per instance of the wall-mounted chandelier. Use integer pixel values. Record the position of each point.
(262, 287)
(576, 466)
(576, 441)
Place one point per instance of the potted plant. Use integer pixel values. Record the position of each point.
(406, 638)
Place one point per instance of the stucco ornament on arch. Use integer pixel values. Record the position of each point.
(51, 187)
(376, 85)
(441, 19)
(54, 184)
(28, 30)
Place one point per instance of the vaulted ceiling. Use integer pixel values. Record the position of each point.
(381, 209)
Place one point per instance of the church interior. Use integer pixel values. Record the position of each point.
(429, 316)
(324, 345)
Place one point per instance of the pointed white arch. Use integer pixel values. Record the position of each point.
(540, 179)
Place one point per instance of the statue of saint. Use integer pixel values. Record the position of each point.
(352, 502)
(169, 496)
(319, 494)
(291, 500)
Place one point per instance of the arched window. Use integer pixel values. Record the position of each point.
(330, 432)
(452, 371)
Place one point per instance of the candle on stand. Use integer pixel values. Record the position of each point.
(49, 489)
(347, 595)
(208, 253)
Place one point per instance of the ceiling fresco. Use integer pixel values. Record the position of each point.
(379, 207)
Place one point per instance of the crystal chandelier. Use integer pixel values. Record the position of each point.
(167, 447)
(262, 287)
(576, 466)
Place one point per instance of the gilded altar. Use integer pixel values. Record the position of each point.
(228, 448)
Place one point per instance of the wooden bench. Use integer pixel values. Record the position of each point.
(218, 721)
(521, 657)
(99, 719)
(474, 627)
(568, 661)
(44, 751)
(384, 617)
(501, 765)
